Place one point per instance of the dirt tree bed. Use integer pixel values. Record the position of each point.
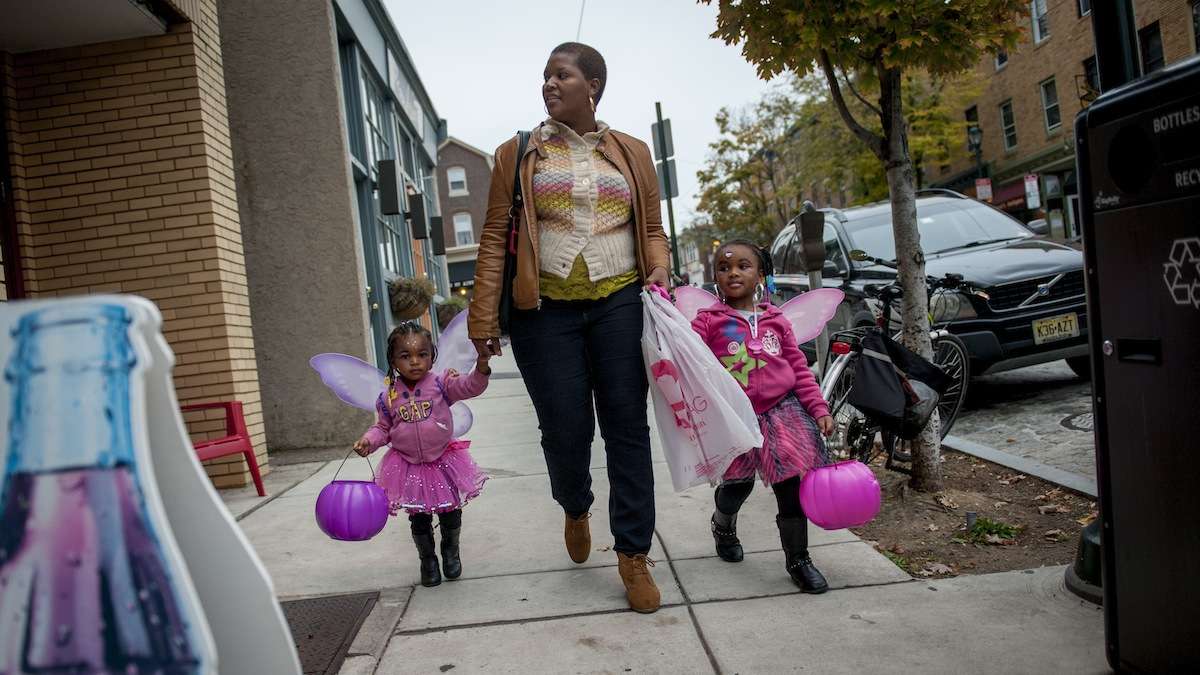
(1022, 522)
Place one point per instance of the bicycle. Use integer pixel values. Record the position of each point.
(854, 433)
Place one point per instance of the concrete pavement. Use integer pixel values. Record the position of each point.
(522, 606)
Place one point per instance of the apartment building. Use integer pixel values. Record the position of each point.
(1024, 119)
(464, 177)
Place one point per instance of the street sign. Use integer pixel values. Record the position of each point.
(662, 189)
(1033, 198)
(983, 189)
(656, 130)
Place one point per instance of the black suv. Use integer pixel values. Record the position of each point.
(1035, 311)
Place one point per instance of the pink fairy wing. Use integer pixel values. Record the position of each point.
(689, 300)
(352, 380)
(454, 348)
(809, 312)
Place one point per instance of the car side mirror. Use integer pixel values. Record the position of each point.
(858, 255)
(1039, 226)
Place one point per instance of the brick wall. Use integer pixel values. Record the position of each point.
(124, 183)
(479, 178)
(1060, 56)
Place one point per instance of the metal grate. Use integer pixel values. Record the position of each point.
(1006, 297)
(323, 628)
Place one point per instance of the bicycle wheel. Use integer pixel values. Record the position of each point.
(853, 434)
(949, 354)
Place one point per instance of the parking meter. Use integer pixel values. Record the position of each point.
(1139, 177)
(812, 240)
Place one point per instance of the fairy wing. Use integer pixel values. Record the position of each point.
(455, 350)
(354, 381)
(809, 312)
(689, 300)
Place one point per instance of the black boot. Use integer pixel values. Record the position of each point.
(729, 548)
(430, 575)
(451, 565)
(793, 534)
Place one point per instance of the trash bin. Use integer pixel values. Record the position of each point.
(1139, 164)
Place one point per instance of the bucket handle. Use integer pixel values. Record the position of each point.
(343, 464)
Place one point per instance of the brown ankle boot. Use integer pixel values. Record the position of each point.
(578, 536)
(640, 590)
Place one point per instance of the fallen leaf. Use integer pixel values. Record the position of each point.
(1054, 535)
(1087, 520)
(996, 540)
(1048, 495)
(1046, 509)
(938, 568)
(932, 527)
(999, 505)
(945, 501)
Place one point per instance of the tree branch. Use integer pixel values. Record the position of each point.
(850, 86)
(872, 140)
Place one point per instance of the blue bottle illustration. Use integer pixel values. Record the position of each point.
(85, 583)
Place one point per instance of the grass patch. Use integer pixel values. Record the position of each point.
(897, 559)
(986, 527)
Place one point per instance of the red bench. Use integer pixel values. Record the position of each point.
(235, 442)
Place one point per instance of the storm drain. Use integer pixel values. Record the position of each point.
(323, 628)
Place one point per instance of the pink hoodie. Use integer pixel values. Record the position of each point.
(418, 423)
(779, 369)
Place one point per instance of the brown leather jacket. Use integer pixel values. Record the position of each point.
(627, 153)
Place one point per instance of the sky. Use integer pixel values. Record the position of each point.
(482, 62)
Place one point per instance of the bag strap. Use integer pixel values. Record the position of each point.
(518, 200)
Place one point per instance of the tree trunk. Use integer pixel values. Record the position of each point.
(926, 450)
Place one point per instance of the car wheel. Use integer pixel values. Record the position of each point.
(1082, 365)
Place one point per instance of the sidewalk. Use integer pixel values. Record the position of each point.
(522, 606)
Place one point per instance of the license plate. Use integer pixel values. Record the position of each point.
(1055, 328)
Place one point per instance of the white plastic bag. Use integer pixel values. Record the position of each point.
(704, 418)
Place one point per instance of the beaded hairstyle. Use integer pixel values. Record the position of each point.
(399, 332)
(766, 265)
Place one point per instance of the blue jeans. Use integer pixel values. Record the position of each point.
(582, 360)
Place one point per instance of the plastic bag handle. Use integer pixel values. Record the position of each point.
(343, 464)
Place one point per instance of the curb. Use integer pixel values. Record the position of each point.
(1071, 481)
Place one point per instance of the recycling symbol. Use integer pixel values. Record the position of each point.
(1182, 272)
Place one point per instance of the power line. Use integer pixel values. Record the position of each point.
(579, 28)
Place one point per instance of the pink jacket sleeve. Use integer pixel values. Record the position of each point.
(379, 432)
(465, 386)
(807, 389)
(700, 325)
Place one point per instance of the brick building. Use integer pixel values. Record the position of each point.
(464, 177)
(118, 178)
(1027, 111)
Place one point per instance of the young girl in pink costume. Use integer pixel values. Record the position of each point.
(425, 471)
(756, 343)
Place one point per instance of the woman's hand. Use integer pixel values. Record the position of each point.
(488, 347)
(362, 447)
(825, 424)
(481, 365)
(659, 277)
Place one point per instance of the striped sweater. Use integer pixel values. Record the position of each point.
(584, 206)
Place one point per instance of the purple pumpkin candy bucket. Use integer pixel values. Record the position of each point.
(352, 510)
(840, 495)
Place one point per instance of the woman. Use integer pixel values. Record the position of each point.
(590, 237)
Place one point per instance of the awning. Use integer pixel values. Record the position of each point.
(462, 273)
(1010, 192)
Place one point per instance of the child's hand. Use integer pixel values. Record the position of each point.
(362, 447)
(450, 372)
(825, 424)
(481, 365)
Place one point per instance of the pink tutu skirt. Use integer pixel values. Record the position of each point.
(442, 485)
(792, 445)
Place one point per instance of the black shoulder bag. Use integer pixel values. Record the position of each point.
(505, 307)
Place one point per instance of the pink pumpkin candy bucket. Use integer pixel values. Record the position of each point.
(840, 495)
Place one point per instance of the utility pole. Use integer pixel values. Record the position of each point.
(668, 185)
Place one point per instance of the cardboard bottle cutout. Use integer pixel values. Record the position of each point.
(116, 554)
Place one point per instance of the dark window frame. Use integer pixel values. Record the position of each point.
(1009, 128)
(1046, 106)
(1147, 37)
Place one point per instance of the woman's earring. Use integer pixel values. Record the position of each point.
(758, 293)
(593, 102)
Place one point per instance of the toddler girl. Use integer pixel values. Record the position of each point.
(755, 342)
(426, 471)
